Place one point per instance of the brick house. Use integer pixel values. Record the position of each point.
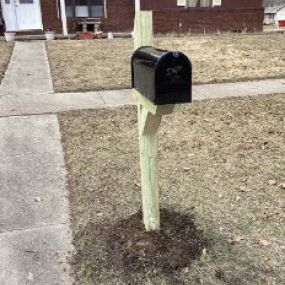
(66, 16)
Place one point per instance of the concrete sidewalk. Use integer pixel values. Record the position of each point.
(35, 236)
(11, 105)
(27, 87)
(28, 71)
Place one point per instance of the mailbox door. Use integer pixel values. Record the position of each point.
(173, 79)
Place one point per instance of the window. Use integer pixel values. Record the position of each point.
(205, 3)
(181, 3)
(217, 3)
(81, 8)
(26, 1)
(199, 3)
(85, 8)
(20, 1)
(97, 8)
(69, 9)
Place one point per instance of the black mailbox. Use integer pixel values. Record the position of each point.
(163, 77)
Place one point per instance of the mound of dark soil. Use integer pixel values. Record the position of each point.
(133, 250)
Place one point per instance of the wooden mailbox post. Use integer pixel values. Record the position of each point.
(149, 119)
(150, 114)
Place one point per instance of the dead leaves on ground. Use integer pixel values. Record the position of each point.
(262, 242)
(237, 239)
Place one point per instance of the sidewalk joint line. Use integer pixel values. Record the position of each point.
(19, 230)
(105, 103)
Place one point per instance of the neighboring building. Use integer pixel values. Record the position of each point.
(270, 3)
(66, 16)
(274, 13)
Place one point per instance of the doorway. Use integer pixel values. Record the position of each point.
(22, 15)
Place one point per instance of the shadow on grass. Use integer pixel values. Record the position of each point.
(127, 254)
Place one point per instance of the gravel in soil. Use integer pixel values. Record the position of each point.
(105, 64)
(222, 179)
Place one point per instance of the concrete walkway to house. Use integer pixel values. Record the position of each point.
(28, 71)
(35, 235)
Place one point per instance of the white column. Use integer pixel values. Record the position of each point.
(63, 17)
(138, 5)
(105, 9)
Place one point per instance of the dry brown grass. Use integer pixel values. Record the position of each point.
(96, 65)
(221, 163)
(5, 54)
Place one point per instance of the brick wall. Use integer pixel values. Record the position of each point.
(242, 3)
(211, 20)
(172, 4)
(50, 16)
(120, 17)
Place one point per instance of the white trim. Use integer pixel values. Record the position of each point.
(216, 3)
(105, 8)
(41, 14)
(63, 18)
(4, 14)
(57, 9)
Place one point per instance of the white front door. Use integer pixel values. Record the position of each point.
(9, 14)
(22, 15)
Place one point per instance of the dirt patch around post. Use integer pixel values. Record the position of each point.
(222, 179)
(105, 64)
(5, 55)
(130, 251)
(174, 247)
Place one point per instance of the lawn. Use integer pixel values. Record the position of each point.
(103, 64)
(5, 54)
(222, 177)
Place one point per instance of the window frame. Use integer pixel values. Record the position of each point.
(73, 5)
(213, 3)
